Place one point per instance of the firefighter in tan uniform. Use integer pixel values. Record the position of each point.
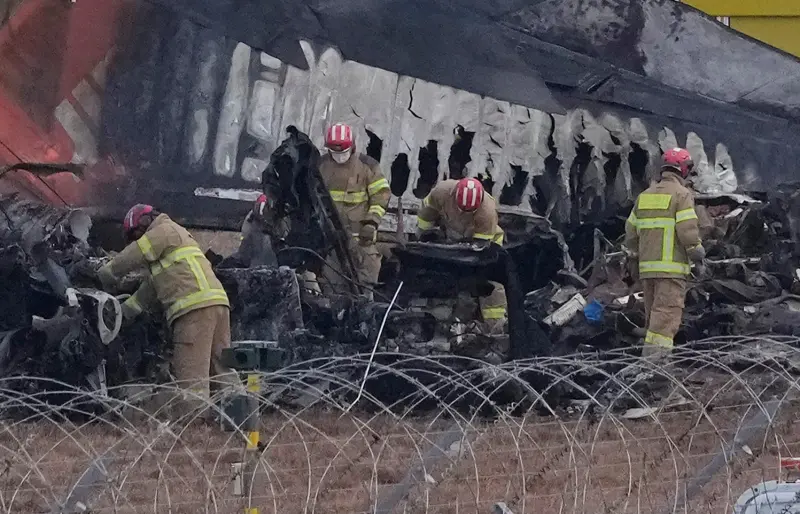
(361, 194)
(662, 237)
(182, 282)
(465, 211)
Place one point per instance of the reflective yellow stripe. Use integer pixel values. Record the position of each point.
(654, 201)
(427, 201)
(133, 304)
(377, 210)
(675, 268)
(493, 313)
(147, 249)
(424, 224)
(197, 271)
(685, 215)
(667, 238)
(251, 510)
(378, 185)
(668, 243)
(497, 237)
(195, 299)
(174, 257)
(345, 197)
(653, 223)
(667, 263)
(658, 340)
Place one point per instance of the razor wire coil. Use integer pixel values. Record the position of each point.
(571, 447)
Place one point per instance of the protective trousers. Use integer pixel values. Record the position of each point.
(663, 306)
(366, 259)
(199, 337)
(494, 306)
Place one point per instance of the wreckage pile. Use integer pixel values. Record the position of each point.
(748, 286)
(57, 324)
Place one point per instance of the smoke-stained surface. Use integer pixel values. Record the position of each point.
(585, 90)
(561, 108)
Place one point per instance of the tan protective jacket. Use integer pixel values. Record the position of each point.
(358, 188)
(181, 277)
(662, 227)
(439, 208)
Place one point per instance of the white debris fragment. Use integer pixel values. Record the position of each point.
(242, 195)
(623, 300)
(639, 413)
(567, 311)
(501, 508)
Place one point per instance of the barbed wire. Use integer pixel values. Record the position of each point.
(606, 432)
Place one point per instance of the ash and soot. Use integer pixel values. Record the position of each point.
(387, 400)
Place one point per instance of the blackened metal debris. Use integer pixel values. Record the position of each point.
(56, 324)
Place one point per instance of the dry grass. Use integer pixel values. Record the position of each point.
(329, 460)
(328, 463)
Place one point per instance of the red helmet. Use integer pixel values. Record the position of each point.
(678, 159)
(339, 138)
(469, 194)
(131, 221)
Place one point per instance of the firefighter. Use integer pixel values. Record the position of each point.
(662, 237)
(463, 210)
(182, 284)
(361, 194)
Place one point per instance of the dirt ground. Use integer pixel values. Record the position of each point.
(329, 462)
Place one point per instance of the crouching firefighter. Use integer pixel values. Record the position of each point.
(183, 284)
(361, 194)
(662, 237)
(463, 210)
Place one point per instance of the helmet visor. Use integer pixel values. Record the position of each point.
(339, 147)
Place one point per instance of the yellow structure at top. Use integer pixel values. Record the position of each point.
(775, 22)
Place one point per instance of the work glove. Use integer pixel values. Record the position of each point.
(696, 254)
(368, 234)
(107, 278)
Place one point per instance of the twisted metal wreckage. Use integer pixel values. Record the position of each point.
(57, 324)
(580, 97)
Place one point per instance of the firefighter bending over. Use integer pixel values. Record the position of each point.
(182, 282)
(662, 236)
(465, 211)
(361, 194)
